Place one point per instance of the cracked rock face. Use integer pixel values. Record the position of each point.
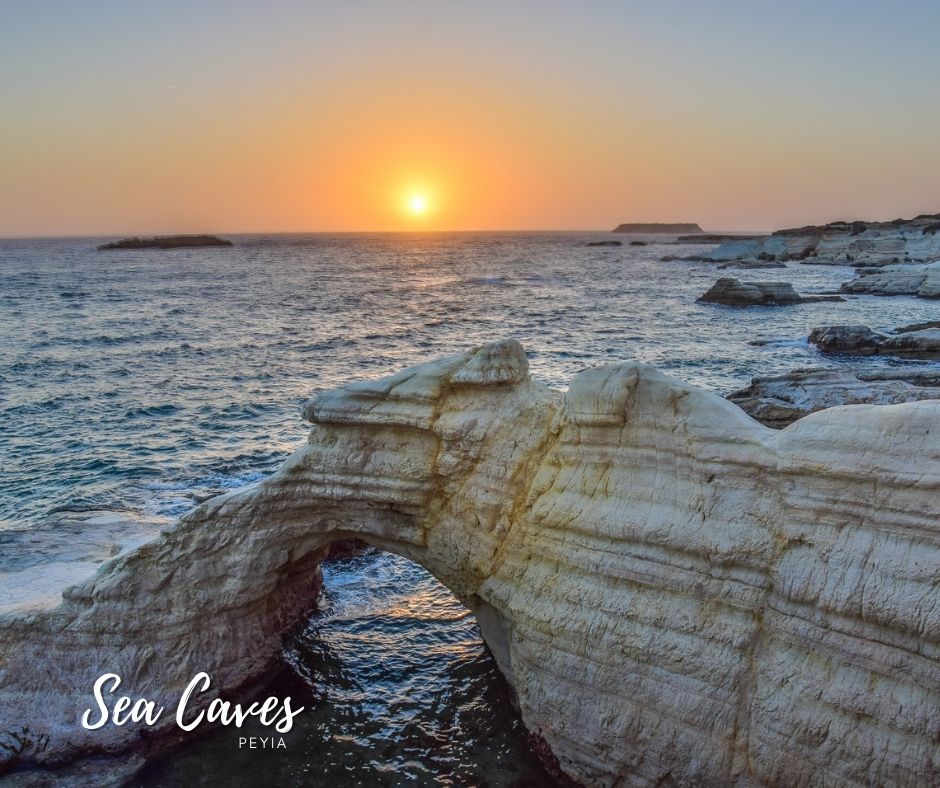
(676, 593)
(916, 280)
(915, 342)
(779, 400)
(842, 243)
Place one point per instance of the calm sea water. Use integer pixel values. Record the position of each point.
(141, 382)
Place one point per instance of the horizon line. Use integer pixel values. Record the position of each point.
(64, 236)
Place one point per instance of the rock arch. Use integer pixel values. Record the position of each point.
(674, 591)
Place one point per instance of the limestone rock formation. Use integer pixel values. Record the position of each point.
(861, 340)
(779, 400)
(733, 292)
(917, 280)
(842, 243)
(677, 594)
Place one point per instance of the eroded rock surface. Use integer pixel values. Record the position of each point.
(842, 243)
(733, 292)
(677, 594)
(779, 400)
(916, 280)
(915, 342)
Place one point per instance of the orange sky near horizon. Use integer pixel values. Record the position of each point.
(331, 119)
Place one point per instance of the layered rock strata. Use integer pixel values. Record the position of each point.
(733, 292)
(922, 281)
(842, 243)
(861, 340)
(677, 594)
(779, 400)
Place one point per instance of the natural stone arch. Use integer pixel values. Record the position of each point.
(429, 478)
(674, 591)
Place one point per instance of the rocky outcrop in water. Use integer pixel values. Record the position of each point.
(733, 292)
(661, 228)
(779, 400)
(751, 264)
(916, 280)
(861, 340)
(842, 243)
(718, 238)
(677, 594)
(167, 242)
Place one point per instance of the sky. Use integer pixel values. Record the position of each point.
(140, 118)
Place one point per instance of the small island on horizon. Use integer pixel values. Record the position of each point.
(167, 242)
(665, 228)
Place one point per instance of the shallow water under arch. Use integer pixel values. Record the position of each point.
(398, 688)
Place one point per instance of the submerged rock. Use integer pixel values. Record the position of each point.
(916, 280)
(861, 340)
(167, 242)
(677, 594)
(780, 400)
(733, 292)
(605, 243)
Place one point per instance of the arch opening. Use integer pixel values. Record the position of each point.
(397, 683)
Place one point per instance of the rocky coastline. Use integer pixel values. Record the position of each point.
(922, 281)
(732, 603)
(859, 244)
(779, 400)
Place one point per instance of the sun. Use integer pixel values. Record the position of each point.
(418, 204)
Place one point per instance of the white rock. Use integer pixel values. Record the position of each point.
(677, 594)
(918, 280)
(844, 243)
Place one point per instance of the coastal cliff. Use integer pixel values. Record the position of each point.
(862, 244)
(675, 593)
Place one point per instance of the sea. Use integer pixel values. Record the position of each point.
(136, 384)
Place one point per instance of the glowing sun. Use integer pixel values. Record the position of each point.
(418, 204)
